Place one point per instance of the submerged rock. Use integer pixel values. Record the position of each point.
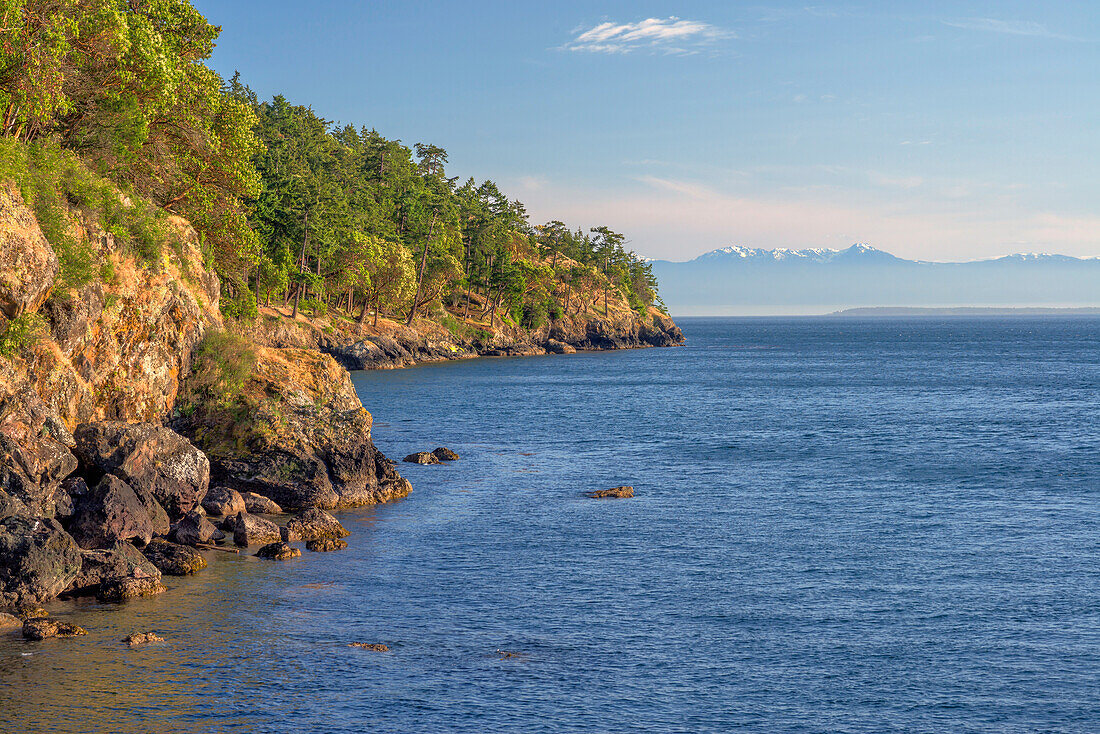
(314, 525)
(108, 513)
(257, 504)
(38, 560)
(373, 646)
(422, 457)
(278, 551)
(142, 638)
(120, 590)
(252, 530)
(174, 559)
(42, 629)
(224, 502)
(149, 456)
(325, 545)
(445, 454)
(613, 493)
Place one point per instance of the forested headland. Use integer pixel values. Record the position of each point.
(293, 211)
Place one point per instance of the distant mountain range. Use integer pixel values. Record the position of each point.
(748, 280)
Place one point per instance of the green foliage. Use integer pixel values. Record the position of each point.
(221, 366)
(20, 334)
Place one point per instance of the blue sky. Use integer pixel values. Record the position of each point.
(934, 130)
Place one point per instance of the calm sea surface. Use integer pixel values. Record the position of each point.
(840, 526)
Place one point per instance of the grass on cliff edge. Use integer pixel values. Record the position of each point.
(52, 180)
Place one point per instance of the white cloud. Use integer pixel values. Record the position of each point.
(670, 35)
(1010, 27)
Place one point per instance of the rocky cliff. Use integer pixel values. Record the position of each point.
(92, 375)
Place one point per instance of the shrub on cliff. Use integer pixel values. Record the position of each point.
(221, 366)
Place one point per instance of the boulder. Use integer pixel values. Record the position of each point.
(553, 346)
(31, 470)
(325, 545)
(278, 552)
(223, 502)
(314, 525)
(120, 590)
(141, 638)
(30, 611)
(149, 457)
(422, 457)
(9, 621)
(297, 433)
(38, 560)
(28, 265)
(120, 561)
(109, 512)
(174, 559)
(194, 529)
(42, 629)
(613, 493)
(253, 530)
(257, 504)
(445, 454)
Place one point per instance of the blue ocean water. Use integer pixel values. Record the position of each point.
(840, 525)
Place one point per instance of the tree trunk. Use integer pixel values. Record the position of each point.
(420, 275)
(301, 267)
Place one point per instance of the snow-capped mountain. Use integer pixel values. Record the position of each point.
(740, 279)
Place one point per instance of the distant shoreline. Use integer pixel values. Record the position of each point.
(965, 311)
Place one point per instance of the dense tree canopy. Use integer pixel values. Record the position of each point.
(290, 206)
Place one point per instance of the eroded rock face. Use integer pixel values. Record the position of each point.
(31, 470)
(154, 458)
(110, 512)
(28, 264)
(174, 559)
(304, 440)
(38, 560)
(9, 621)
(120, 561)
(314, 525)
(252, 530)
(223, 502)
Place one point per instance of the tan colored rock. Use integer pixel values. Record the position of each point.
(142, 638)
(613, 493)
(120, 590)
(314, 524)
(373, 646)
(326, 545)
(9, 621)
(28, 264)
(278, 552)
(257, 504)
(42, 629)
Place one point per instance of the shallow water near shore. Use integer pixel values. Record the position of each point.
(840, 525)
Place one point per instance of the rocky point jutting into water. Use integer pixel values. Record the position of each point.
(138, 428)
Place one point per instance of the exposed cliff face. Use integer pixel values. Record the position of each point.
(297, 433)
(390, 345)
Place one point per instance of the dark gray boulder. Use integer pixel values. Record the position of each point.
(278, 551)
(422, 457)
(150, 457)
(125, 589)
(445, 454)
(194, 529)
(120, 561)
(109, 512)
(252, 530)
(32, 470)
(38, 560)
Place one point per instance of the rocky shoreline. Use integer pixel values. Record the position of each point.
(128, 453)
